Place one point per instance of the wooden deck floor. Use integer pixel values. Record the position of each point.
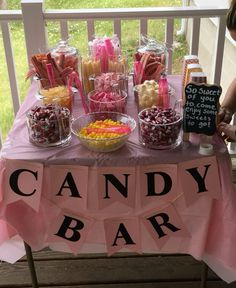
(98, 271)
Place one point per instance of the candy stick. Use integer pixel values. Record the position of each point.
(81, 92)
(50, 73)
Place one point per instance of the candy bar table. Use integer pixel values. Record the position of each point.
(201, 224)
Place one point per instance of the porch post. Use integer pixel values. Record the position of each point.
(34, 26)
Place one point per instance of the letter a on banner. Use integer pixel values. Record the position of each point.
(70, 229)
(200, 177)
(116, 184)
(164, 223)
(122, 233)
(23, 181)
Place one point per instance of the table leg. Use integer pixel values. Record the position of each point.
(30, 261)
(204, 271)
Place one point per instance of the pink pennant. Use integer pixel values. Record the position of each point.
(158, 183)
(71, 229)
(23, 181)
(122, 233)
(164, 223)
(69, 188)
(200, 177)
(116, 184)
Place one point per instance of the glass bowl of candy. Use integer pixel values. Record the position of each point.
(102, 101)
(49, 125)
(160, 128)
(103, 131)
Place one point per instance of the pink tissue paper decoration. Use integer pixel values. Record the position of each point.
(199, 177)
(23, 181)
(122, 233)
(163, 223)
(69, 188)
(116, 184)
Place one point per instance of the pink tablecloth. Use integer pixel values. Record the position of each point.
(211, 223)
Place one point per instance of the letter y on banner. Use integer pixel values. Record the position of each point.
(23, 181)
(199, 177)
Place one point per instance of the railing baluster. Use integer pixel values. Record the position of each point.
(64, 29)
(10, 66)
(195, 36)
(169, 40)
(143, 27)
(220, 40)
(90, 29)
(117, 28)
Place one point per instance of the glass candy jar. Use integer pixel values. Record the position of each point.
(151, 61)
(66, 56)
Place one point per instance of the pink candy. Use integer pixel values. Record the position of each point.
(107, 101)
(159, 128)
(107, 81)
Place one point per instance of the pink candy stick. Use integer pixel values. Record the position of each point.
(163, 89)
(117, 130)
(50, 73)
(81, 92)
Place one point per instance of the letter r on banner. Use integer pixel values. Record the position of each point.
(164, 223)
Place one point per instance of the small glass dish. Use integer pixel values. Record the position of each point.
(160, 128)
(98, 101)
(49, 125)
(104, 142)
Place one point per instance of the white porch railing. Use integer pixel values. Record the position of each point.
(34, 19)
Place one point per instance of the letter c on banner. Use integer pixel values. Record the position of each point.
(13, 181)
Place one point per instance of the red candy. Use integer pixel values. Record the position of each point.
(49, 125)
(159, 128)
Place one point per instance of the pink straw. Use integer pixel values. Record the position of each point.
(50, 73)
(78, 83)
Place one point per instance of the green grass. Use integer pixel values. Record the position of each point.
(77, 31)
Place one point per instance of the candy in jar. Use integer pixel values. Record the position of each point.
(66, 56)
(49, 125)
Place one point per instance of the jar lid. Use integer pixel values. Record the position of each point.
(151, 45)
(63, 47)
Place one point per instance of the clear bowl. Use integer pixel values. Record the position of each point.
(160, 136)
(118, 105)
(102, 144)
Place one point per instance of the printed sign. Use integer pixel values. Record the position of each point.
(201, 107)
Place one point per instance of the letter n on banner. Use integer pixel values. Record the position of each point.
(68, 186)
(199, 177)
(70, 229)
(23, 181)
(158, 183)
(116, 184)
(122, 233)
(163, 224)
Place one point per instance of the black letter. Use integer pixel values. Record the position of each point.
(115, 182)
(71, 185)
(124, 234)
(199, 179)
(13, 181)
(157, 226)
(66, 226)
(151, 183)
